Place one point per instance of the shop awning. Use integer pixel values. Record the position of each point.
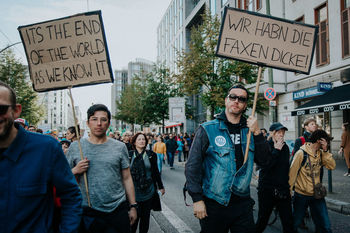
(174, 125)
(336, 99)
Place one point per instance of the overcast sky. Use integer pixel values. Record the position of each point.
(130, 26)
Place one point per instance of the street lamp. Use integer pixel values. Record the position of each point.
(9, 46)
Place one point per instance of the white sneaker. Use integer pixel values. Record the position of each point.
(346, 174)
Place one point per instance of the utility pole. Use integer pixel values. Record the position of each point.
(272, 110)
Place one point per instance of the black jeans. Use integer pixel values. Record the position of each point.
(268, 200)
(185, 155)
(236, 217)
(143, 216)
(115, 222)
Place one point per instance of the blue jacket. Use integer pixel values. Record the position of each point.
(220, 176)
(211, 167)
(29, 169)
(180, 146)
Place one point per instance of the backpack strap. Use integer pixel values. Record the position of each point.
(305, 156)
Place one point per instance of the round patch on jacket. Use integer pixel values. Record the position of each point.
(220, 141)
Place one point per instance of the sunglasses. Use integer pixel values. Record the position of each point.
(4, 108)
(240, 99)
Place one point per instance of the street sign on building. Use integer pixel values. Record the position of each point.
(324, 87)
(306, 93)
(177, 109)
(270, 94)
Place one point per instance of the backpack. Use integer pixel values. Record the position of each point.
(302, 139)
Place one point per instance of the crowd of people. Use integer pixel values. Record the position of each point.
(220, 166)
(110, 182)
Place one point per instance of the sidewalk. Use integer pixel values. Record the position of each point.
(339, 199)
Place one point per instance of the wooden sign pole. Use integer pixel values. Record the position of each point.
(253, 112)
(80, 149)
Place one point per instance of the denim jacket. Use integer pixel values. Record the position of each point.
(220, 177)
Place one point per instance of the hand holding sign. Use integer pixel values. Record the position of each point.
(68, 52)
(268, 41)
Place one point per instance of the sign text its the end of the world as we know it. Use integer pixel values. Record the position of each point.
(67, 52)
(267, 41)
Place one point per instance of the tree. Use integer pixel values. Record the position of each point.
(130, 105)
(14, 74)
(158, 91)
(202, 72)
(146, 100)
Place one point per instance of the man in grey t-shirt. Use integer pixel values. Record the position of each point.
(108, 176)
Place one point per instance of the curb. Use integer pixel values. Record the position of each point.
(332, 204)
(338, 206)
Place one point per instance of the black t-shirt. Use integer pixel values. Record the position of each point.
(235, 133)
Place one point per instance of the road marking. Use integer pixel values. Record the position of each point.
(179, 225)
(155, 222)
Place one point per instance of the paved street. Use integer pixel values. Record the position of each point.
(176, 217)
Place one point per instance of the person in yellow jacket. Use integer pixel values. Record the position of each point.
(300, 180)
(160, 149)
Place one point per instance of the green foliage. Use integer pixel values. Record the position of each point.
(14, 74)
(203, 73)
(146, 100)
(158, 89)
(130, 104)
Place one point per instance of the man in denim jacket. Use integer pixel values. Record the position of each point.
(217, 178)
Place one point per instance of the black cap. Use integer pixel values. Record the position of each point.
(277, 126)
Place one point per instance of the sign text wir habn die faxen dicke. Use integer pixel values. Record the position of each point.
(267, 41)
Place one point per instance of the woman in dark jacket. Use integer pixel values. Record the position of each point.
(146, 178)
(273, 188)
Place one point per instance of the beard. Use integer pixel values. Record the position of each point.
(236, 113)
(7, 129)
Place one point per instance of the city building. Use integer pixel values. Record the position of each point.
(140, 68)
(299, 96)
(58, 112)
(173, 36)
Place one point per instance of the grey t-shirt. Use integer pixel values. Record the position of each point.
(104, 175)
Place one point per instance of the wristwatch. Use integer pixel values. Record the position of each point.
(135, 205)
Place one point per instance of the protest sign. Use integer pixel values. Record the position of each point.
(267, 41)
(67, 52)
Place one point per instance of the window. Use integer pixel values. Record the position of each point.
(345, 27)
(322, 43)
(258, 5)
(223, 2)
(250, 4)
(300, 20)
(212, 7)
(243, 4)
